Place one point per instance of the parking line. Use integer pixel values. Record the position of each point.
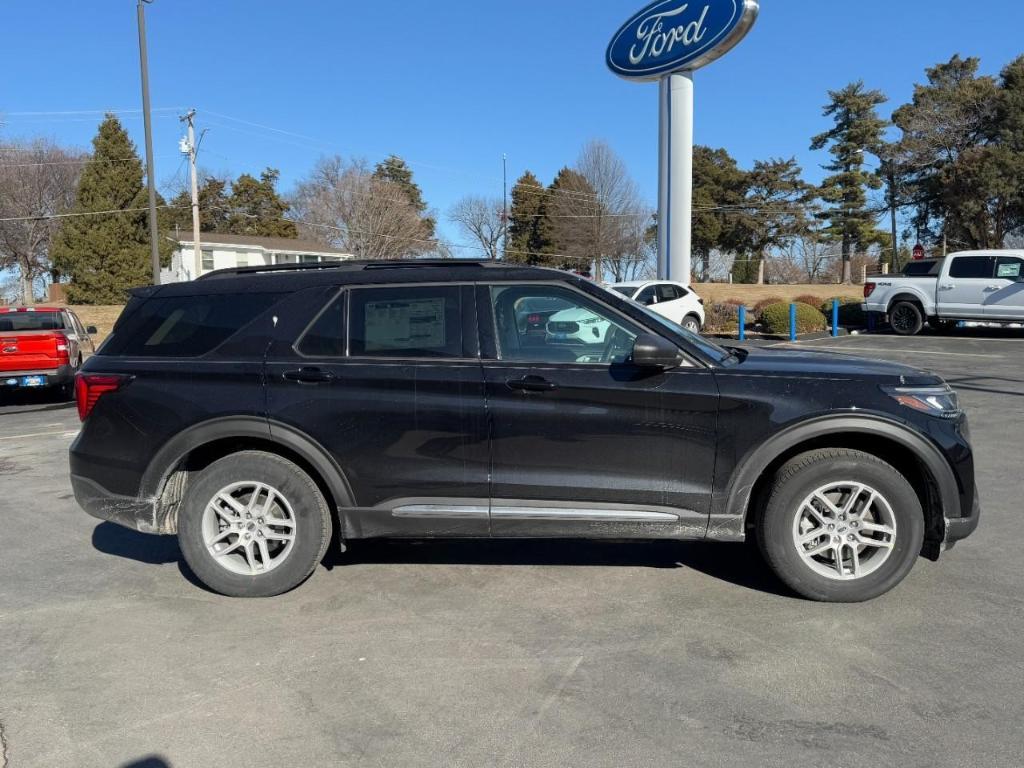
(66, 432)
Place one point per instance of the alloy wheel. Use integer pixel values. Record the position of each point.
(249, 528)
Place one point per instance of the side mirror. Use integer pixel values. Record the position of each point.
(91, 330)
(655, 353)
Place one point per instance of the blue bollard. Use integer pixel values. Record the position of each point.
(743, 323)
(835, 318)
(792, 322)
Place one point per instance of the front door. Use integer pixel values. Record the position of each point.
(583, 443)
(1006, 290)
(963, 292)
(389, 381)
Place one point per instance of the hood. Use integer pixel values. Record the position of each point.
(832, 365)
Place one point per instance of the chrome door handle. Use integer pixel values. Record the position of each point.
(947, 287)
(309, 376)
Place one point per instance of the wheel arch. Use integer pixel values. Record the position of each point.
(910, 297)
(166, 478)
(911, 454)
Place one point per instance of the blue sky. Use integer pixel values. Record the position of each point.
(451, 85)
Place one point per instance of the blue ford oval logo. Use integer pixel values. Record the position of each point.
(676, 35)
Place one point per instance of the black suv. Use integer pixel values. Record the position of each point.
(254, 411)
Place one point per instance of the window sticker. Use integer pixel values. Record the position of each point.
(412, 324)
(1010, 271)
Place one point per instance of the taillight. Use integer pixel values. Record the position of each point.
(63, 357)
(534, 319)
(869, 288)
(90, 387)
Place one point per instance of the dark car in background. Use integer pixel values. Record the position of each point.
(255, 410)
(42, 347)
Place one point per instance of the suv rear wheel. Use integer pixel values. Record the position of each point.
(841, 526)
(692, 323)
(253, 524)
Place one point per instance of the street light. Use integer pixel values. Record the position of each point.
(154, 242)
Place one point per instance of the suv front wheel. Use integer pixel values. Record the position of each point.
(253, 524)
(841, 526)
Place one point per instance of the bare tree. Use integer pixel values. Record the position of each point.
(616, 203)
(341, 204)
(482, 219)
(37, 180)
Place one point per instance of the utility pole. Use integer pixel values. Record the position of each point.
(154, 234)
(504, 201)
(189, 148)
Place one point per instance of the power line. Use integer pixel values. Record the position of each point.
(49, 217)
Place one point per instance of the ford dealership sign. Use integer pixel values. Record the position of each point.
(679, 35)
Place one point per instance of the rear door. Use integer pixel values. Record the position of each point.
(387, 378)
(964, 289)
(1006, 290)
(582, 443)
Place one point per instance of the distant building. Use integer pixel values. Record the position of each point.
(229, 251)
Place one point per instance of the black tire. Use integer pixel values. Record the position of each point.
(800, 478)
(692, 323)
(312, 524)
(906, 318)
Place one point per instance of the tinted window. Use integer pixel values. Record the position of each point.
(972, 266)
(922, 268)
(326, 337)
(583, 331)
(31, 321)
(647, 297)
(1009, 268)
(406, 322)
(625, 291)
(184, 326)
(667, 293)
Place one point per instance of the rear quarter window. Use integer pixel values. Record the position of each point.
(184, 326)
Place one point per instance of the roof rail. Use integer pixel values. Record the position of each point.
(351, 264)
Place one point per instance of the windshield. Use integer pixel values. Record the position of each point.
(707, 348)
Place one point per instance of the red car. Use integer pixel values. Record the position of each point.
(42, 347)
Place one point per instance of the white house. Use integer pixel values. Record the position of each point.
(229, 251)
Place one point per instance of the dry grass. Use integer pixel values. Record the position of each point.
(102, 317)
(751, 294)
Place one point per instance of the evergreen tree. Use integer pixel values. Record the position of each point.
(857, 131)
(527, 242)
(566, 225)
(719, 186)
(107, 254)
(396, 171)
(255, 208)
(213, 207)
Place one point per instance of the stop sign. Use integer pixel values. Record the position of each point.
(918, 252)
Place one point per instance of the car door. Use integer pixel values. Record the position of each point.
(1005, 299)
(387, 378)
(582, 442)
(964, 290)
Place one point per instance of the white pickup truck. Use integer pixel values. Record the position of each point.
(980, 286)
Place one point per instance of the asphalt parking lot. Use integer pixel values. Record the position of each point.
(512, 654)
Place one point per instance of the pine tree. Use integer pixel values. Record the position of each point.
(719, 186)
(213, 208)
(527, 244)
(857, 132)
(396, 171)
(255, 208)
(567, 221)
(107, 254)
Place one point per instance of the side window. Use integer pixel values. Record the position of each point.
(571, 327)
(1009, 268)
(406, 322)
(667, 292)
(207, 259)
(968, 267)
(648, 296)
(326, 337)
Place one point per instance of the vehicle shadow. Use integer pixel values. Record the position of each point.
(153, 761)
(735, 564)
(24, 400)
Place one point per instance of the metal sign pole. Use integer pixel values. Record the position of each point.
(675, 182)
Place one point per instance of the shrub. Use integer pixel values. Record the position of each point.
(767, 303)
(808, 298)
(722, 317)
(851, 313)
(775, 319)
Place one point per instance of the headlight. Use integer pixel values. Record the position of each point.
(935, 401)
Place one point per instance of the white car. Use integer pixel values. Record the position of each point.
(671, 300)
(577, 326)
